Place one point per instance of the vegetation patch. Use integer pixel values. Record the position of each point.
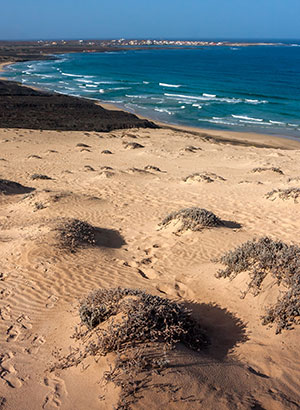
(138, 329)
(273, 169)
(40, 176)
(136, 317)
(203, 177)
(263, 257)
(152, 168)
(284, 194)
(132, 145)
(191, 148)
(194, 219)
(74, 233)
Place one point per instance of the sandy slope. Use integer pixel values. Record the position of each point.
(247, 366)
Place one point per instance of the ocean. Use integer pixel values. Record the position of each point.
(224, 88)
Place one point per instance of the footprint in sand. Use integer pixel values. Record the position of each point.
(36, 344)
(178, 289)
(5, 313)
(8, 371)
(5, 293)
(52, 300)
(24, 321)
(13, 333)
(57, 392)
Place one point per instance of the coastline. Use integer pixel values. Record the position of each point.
(223, 136)
(2, 68)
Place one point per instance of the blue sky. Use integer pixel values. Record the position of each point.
(66, 19)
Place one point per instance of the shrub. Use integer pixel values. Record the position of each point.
(40, 176)
(284, 194)
(138, 328)
(74, 233)
(132, 145)
(140, 318)
(261, 257)
(273, 169)
(203, 177)
(152, 168)
(194, 219)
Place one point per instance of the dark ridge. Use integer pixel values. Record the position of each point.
(25, 107)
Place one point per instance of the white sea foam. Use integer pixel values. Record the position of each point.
(170, 85)
(277, 122)
(119, 88)
(71, 75)
(245, 117)
(219, 121)
(164, 110)
(146, 82)
(254, 122)
(83, 80)
(249, 101)
(176, 96)
(136, 96)
(106, 82)
(92, 85)
(205, 98)
(209, 95)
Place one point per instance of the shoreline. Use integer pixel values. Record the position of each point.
(222, 136)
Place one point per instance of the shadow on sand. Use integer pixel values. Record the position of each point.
(231, 224)
(109, 238)
(13, 188)
(224, 329)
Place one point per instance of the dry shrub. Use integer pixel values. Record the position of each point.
(292, 179)
(134, 317)
(139, 329)
(74, 233)
(203, 177)
(273, 169)
(40, 176)
(284, 194)
(194, 219)
(191, 148)
(261, 257)
(152, 168)
(132, 145)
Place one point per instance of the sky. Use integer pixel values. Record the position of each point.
(193, 19)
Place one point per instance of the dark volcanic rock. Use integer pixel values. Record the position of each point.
(24, 107)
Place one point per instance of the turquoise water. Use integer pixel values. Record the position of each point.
(240, 88)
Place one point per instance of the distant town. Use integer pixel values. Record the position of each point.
(158, 43)
(13, 51)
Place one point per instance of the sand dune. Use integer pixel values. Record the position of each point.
(247, 365)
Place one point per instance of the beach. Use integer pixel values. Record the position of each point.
(125, 182)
